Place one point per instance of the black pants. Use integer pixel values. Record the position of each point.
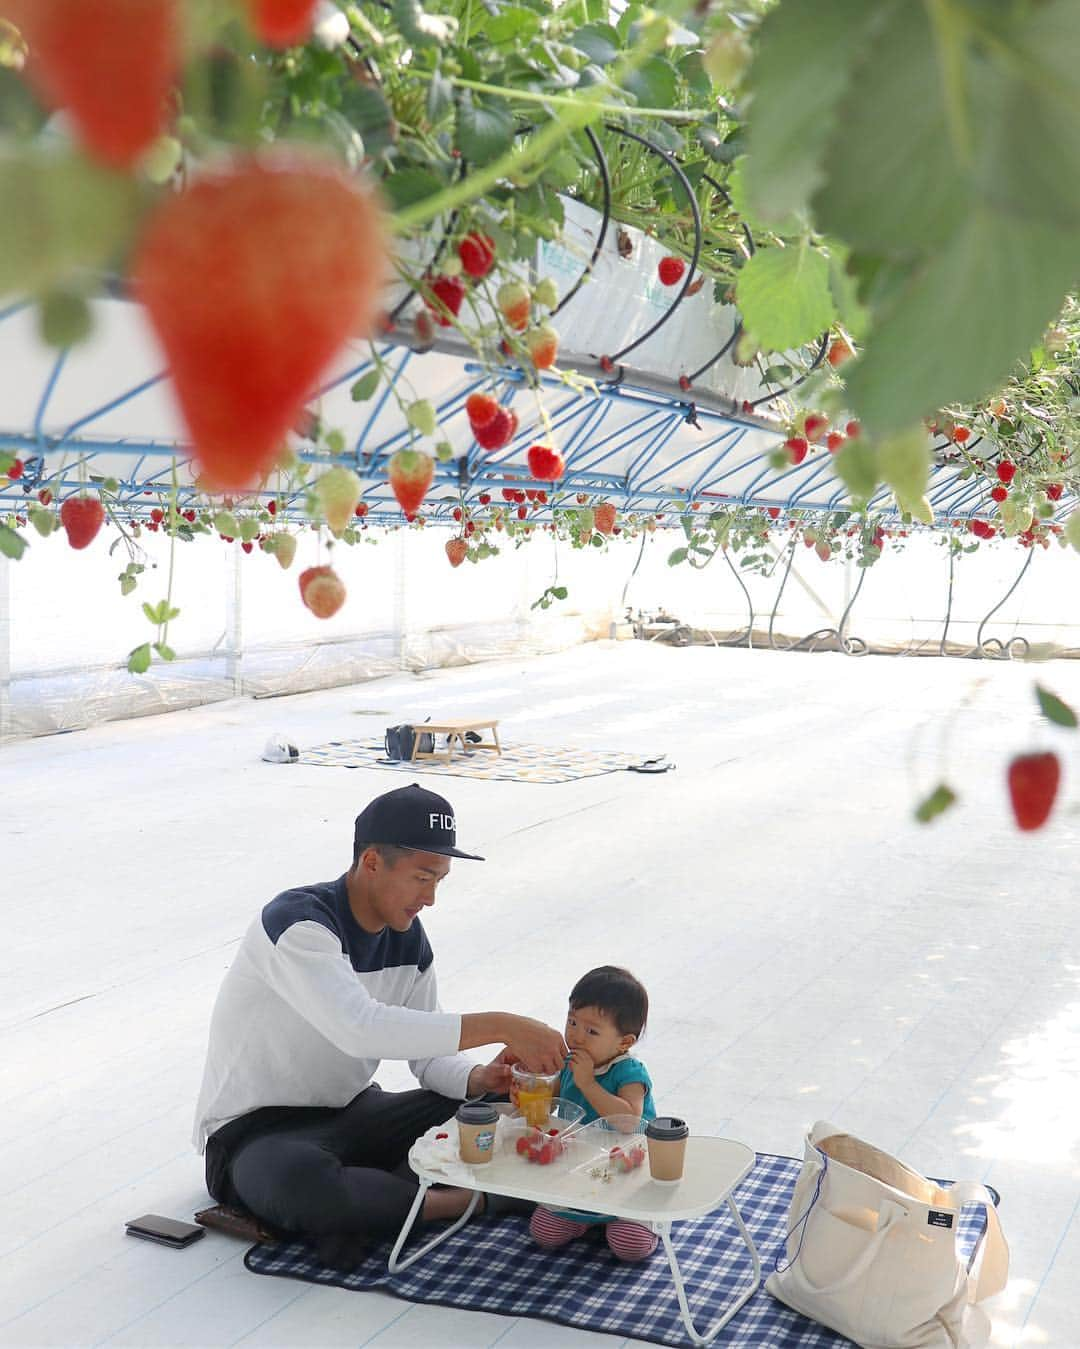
(326, 1173)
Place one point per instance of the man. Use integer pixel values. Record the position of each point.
(328, 980)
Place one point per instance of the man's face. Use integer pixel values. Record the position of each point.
(402, 890)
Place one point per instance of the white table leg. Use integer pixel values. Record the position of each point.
(393, 1265)
(680, 1291)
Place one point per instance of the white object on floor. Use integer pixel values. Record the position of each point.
(278, 750)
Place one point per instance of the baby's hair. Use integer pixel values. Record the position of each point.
(617, 994)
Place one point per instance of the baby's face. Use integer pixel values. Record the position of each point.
(595, 1032)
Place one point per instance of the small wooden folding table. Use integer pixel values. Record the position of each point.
(456, 730)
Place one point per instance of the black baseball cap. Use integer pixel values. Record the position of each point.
(410, 817)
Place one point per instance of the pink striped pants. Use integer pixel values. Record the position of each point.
(628, 1241)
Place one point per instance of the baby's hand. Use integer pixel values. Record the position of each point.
(582, 1068)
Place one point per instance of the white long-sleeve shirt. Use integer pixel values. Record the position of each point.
(312, 1003)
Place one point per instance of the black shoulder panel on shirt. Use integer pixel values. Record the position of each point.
(328, 903)
(306, 904)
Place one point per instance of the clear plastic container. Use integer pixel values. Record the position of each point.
(542, 1146)
(617, 1139)
(532, 1094)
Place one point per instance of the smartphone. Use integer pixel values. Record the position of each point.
(170, 1232)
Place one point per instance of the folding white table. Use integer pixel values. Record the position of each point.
(714, 1167)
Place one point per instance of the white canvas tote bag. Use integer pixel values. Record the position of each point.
(871, 1250)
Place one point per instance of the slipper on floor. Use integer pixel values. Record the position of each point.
(658, 765)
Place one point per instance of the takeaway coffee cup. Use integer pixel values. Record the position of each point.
(666, 1137)
(476, 1132)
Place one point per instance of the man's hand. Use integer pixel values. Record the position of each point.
(583, 1070)
(490, 1077)
(538, 1047)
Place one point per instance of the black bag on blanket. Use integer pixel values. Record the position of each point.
(399, 741)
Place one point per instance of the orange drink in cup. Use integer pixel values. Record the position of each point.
(532, 1094)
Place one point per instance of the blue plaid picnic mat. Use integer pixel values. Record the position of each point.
(497, 1267)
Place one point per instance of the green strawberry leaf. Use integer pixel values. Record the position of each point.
(599, 41)
(912, 363)
(484, 131)
(939, 800)
(165, 652)
(803, 64)
(422, 415)
(679, 555)
(857, 466)
(365, 386)
(12, 545)
(1053, 709)
(139, 659)
(784, 295)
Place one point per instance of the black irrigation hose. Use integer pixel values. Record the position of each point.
(684, 182)
(605, 182)
(948, 604)
(851, 646)
(737, 639)
(822, 349)
(1004, 650)
(410, 295)
(737, 330)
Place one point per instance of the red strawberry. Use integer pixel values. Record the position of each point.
(853, 429)
(839, 352)
(604, 517)
(1033, 785)
(1054, 491)
(456, 550)
(543, 346)
(477, 254)
(82, 517)
(671, 271)
(247, 344)
(833, 441)
(448, 293)
(157, 515)
(282, 23)
(499, 432)
(796, 447)
(45, 496)
(411, 472)
(774, 512)
(508, 494)
(1000, 492)
(521, 1147)
(814, 426)
(545, 463)
(522, 512)
(480, 408)
(247, 545)
(322, 591)
(110, 63)
(514, 303)
(961, 434)
(1006, 471)
(484, 498)
(361, 509)
(15, 471)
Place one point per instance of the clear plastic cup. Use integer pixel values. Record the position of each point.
(532, 1094)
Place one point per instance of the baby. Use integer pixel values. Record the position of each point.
(608, 1011)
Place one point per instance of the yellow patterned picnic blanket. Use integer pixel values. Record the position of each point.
(519, 762)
